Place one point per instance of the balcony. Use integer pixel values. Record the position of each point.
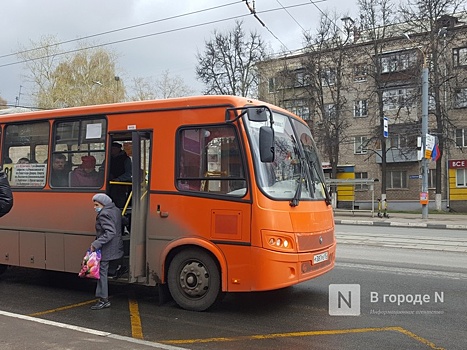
(398, 155)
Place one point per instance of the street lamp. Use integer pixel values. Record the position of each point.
(117, 82)
(424, 192)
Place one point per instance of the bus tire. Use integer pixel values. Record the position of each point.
(194, 280)
(3, 268)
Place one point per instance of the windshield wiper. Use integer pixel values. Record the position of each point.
(323, 183)
(298, 192)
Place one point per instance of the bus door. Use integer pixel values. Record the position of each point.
(138, 146)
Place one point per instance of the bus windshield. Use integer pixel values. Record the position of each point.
(296, 173)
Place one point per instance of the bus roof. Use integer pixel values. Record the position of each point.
(140, 106)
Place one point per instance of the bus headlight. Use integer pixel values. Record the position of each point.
(278, 241)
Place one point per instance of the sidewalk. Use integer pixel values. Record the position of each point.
(436, 221)
(453, 239)
(19, 332)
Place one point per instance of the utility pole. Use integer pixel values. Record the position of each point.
(424, 133)
(424, 199)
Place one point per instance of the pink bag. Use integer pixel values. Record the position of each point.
(90, 265)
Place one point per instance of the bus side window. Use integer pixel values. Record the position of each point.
(210, 161)
(82, 142)
(25, 149)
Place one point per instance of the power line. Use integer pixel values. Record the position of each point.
(289, 15)
(325, 15)
(123, 40)
(253, 12)
(154, 34)
(125, 28)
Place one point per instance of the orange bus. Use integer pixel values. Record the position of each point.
(227, 194)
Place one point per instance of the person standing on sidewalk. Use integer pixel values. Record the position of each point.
(109, 241)
(385, 208)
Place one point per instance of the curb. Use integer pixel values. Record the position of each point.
(401, 224)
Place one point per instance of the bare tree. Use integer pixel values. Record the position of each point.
(143, 89)
(64, 80)
(431, 23)
(166, 86)
(324, 63)
(227, 66)
(3, 103)
(376, 17)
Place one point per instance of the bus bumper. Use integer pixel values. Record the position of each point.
(274, 270)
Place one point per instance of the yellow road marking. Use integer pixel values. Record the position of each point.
(306, 334)
(136, 329)
(63, 308)
(420, 339)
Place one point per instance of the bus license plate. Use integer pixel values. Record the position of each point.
(319, 258)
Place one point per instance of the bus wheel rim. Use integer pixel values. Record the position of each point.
(194, 279)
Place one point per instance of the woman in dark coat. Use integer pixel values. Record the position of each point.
(6, 197)
(108, 240)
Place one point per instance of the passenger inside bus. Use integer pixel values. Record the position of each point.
(59, 176)
(85, 175)
(120, 171)
(23, 160)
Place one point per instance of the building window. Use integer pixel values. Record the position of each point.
(397, 98)
(298, 107)
(328, 77)
(397, 62)
(396, 179)
(432, 178)
(361, 109)
(459, 56)
(461, 177)
(329, 111)
(461, 137)
(360, 144)
(272, 85)
(399, 141)
(360, 176)
(301, 79)
(360, 72)
(460, 98)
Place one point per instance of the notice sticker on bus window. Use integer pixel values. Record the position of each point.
(94, 131)
(29, 175)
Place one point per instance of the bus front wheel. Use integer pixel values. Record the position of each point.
(194, 280)
(3, 268)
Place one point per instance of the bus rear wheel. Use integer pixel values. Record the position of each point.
(3, 268)
(194, 280)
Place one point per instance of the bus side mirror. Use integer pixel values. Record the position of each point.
(258, 114)
(266, 144)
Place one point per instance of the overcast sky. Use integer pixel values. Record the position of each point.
(166, 45)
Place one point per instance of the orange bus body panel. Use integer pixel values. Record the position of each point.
(234, 232)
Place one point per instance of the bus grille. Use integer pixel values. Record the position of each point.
(309, 242)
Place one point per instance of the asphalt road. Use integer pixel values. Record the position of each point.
(410, 298)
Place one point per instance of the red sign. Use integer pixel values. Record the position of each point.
(458, 164)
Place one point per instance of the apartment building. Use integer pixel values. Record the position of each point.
(362, 98)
